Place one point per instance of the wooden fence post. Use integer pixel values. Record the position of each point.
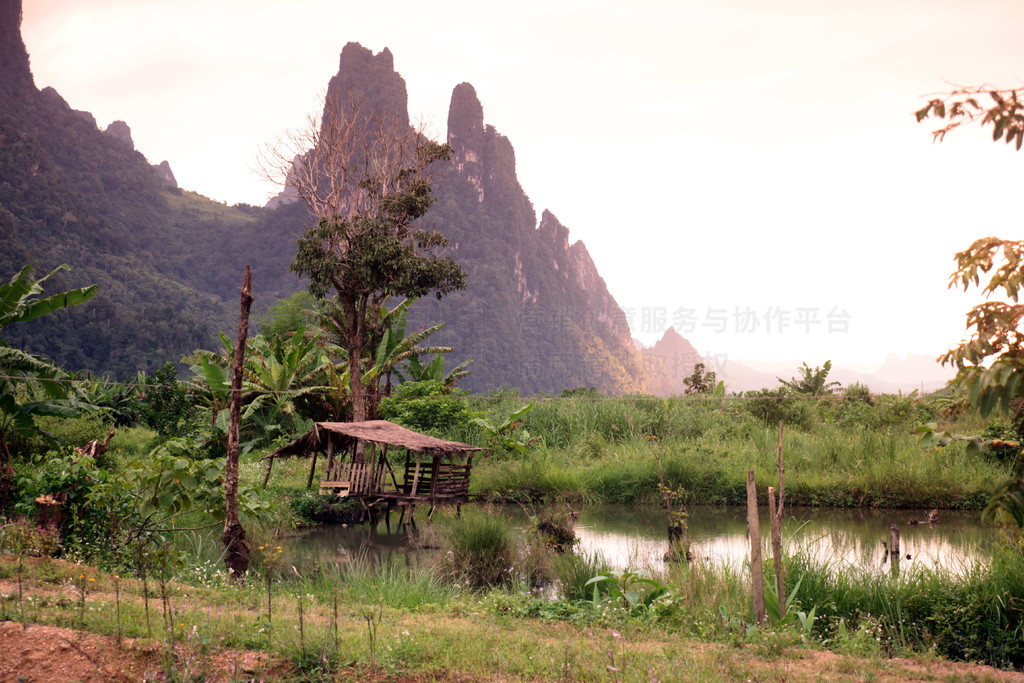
(754, 529)
(775, 514)
(894, 549)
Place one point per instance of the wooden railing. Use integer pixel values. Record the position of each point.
(350, 479)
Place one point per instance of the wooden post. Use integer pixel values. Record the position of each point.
(894, 549)
(416, 474)
(266, 474)
(312, 470)
(330, 474)
(775, 522)
(754, 530)
(775, 515)
(236, 550)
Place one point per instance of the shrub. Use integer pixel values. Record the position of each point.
(73, 477)
(312, 508)
(21, 536)
(480, 550)
(425, 406)
(167, 406)
(773, 406)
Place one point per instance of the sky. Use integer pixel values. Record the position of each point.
(749, 171)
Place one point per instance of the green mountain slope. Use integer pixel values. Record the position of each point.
(169, 262)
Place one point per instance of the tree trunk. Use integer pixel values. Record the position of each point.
(236, 556)
(354, 337)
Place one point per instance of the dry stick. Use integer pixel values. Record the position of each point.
(334, 624)
(302, 628)
(117, 603)
(165, 605)
(775, 517)
(21, 595)
(754, 529)
(270, 610)
(145, 600)
(266, 474)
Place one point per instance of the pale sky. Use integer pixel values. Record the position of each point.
(732, 165)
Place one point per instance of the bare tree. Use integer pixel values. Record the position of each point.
(365, 177)
(236, 550)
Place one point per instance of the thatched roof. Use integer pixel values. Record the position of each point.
(373, 431)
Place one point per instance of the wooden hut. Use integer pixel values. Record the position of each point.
(435, 471)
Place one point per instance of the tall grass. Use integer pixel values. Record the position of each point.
(393, 583)
(603, 451)
(975, 616)
(480, 550)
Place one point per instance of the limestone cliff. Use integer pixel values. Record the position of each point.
(15, 74)
(536, 314)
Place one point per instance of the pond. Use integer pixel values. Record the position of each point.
(634, 536)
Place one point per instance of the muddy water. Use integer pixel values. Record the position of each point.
(634, 536)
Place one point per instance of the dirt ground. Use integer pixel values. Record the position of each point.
(35, 654)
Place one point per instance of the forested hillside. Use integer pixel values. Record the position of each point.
(166, 260)
(536, 313)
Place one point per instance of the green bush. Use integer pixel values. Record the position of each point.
(480, 550)
(72, 477)
(772, 406)
(426, 406)
(22, 536)
(167, 406)
(312, 508)
(64, 431)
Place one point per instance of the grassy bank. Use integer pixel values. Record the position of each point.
(393, 621)
(837, 453)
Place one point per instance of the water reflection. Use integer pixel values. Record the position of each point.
(635, 536)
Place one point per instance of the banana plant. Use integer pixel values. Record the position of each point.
(277, 373)
(506, 436)
(418, 371)
(31, 386)
(632, 589)
(395, 346)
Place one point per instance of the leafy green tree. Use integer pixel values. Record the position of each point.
(700, 382)
(425, 406)
(285, 316)
(31, 386)
(167, 406)
(812, 382)
(367, 185)
(773, 406)
(990, 363)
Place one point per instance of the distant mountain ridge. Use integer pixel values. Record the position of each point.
(673, 358)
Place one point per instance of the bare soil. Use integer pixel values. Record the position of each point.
(38, 653)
